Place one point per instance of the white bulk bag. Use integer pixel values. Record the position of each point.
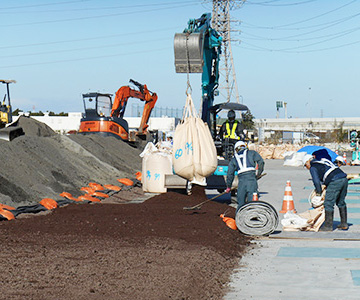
(205, 156)
(155, 165)
(194, 152)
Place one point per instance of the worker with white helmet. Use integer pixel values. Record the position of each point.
(323, 171)
(244, 162)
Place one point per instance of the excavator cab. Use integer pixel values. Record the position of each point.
(97, 119)
(8, 130)
(97, 104)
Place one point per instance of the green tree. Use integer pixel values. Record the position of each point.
(248, 120)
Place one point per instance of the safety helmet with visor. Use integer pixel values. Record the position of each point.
(240, 145)
(306, 158)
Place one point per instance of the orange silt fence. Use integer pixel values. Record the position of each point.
(138, 175)
(4, 206)
(88, 197)
(7, 214)
(68, 196)
(49, 203)
(96, 186)
(126, 181)
(99, 194)
(88, 189)
(288, 202)
(112, 187)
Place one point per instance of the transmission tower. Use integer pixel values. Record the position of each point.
(221, 23)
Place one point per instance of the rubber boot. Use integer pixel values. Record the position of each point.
(328, 223)
(343, 219)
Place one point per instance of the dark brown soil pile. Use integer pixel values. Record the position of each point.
(123, 248)
(152, 250)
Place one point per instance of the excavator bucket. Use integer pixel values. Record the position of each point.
(188, 49)
(11, 132)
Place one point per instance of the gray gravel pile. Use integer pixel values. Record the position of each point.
(43, 164)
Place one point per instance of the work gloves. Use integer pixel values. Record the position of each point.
(227, 191)
(316, 201)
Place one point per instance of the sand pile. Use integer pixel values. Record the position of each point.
(43, 164)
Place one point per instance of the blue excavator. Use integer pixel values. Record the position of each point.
(197, 50)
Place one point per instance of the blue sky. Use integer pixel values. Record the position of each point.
(303, 52)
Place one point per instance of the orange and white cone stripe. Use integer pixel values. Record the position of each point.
(288, 202)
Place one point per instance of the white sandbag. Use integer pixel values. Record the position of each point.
(155, 165)
(310, 220)
(293, 159)
(293, 222)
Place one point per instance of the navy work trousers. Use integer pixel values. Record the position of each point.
(335, 194)
(246, 187)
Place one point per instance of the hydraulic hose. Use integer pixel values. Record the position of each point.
(257, 218)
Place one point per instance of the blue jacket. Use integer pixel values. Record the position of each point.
(252, 158)
(323, 172)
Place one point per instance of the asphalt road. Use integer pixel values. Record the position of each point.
(301, 265)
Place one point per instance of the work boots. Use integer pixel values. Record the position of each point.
(343, 218)
(328, 223)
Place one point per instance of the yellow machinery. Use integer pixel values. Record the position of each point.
(8, 130)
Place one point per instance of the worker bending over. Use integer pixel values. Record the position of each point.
(323, 171)
(232, 129)
(244, 162)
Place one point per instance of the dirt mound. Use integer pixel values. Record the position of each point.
(32, 127)
(152, 250)
(43, 164)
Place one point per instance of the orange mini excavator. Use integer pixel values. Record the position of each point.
(104, 118)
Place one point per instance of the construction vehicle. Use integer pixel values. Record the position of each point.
(8, 129)
(197, 50)
(104, 117)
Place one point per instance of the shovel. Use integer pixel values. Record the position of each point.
(198, 206)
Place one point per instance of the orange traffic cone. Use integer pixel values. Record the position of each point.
(288, 203)
(344, 157)
(337, 152)
(255, 197)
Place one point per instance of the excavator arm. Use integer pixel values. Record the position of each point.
(126, 92)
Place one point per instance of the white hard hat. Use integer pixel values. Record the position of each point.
(239, 144)
(306, 158)
(340, 159)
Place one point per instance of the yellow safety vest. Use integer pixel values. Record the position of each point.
(231, 133)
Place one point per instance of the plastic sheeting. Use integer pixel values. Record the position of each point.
(257, 218)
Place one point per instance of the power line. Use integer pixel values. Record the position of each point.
(84, 58)
(269, 3)
(85, 48)
(98, 16)
(87, 8)
(87, 39)
(44, 4)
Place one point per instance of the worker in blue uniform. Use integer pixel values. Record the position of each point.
(244, 162)
(323, 171)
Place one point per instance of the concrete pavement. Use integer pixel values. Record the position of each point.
(300, 265)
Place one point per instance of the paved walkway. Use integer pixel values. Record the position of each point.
(301, 265)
